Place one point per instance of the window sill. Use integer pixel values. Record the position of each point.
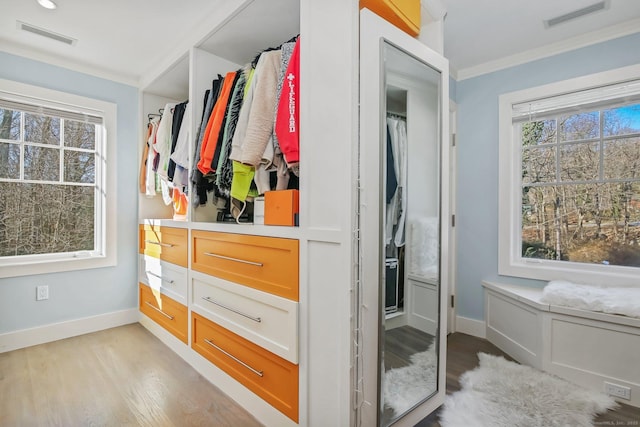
(55, 266)
(589, 274)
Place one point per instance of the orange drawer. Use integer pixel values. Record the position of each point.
(404, 14)
(167, 243)
(168, 313)
(272, 378)
(268, 264)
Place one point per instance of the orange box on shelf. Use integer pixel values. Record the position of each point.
(404, 14)
(281, 207)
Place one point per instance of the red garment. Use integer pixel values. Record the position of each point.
(214, 125)
(288, 115)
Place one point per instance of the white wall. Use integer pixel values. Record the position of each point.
(85, 293)
(477, 139)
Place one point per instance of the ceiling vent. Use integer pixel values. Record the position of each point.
(46, 33)
(577, 14)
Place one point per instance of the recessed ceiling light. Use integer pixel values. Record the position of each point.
(47, 4)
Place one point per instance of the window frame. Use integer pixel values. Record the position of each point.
(510, 260)
(105, 179)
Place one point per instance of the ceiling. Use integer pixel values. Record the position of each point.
(481, 36)
(124, 40)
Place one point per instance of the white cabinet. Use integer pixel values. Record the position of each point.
(168, 278)
(266, 319)
(327, 389)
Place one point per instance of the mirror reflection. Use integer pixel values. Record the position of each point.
(411, 234)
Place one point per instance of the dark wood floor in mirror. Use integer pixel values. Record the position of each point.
(399, 345)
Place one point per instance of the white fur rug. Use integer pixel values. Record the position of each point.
(623, 301)
(407, 386)
(500, 393)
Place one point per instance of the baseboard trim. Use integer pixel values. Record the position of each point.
(57, 331)
(256, 406)
(474, 327)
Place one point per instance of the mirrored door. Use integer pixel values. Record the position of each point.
(404, 110)
(410, 281)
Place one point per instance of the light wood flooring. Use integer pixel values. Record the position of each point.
(127, 377)
(123, 376)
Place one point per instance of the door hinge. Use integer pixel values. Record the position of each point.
(453, 140)
(453, 301)
(453, 220)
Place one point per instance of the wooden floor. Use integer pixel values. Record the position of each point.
(401, 343)
(126, 377)
(118, 377)
(462, 353)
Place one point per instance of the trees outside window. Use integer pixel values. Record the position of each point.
(569, 187)
(581, 187)
(47, 189)
(57, 181)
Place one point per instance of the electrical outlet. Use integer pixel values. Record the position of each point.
(617, 390)
(42, 292)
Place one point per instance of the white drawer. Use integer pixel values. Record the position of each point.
(267, 320)
(169, 278)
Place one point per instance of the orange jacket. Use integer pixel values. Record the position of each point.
(210, 139)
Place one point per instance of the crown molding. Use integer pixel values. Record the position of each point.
(588, 39)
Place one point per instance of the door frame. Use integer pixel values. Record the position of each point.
(453, 167)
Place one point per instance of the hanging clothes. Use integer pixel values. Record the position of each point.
(180, 155)
(397, 208)
(236, 147)
(142, 181)
(224, 169)
(150, 175)
(210, 139)
(162, 143)
(271, 158)
(288, 115)
(176, 126)
(254, 130)
(202, 186)
(392, 179)
(286, 50)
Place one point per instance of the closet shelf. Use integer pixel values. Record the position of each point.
(228, 227)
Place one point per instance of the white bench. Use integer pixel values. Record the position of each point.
(585, 347)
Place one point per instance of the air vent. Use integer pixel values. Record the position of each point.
(577, 14)
(46, 33)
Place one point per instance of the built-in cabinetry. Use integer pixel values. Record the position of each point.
(232, 298)
(224, 296)
(273, 313)
(248, 325)
(162, 276)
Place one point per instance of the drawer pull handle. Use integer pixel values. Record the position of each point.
(159, 311)
(255, 371)
(226, 307)
(244, 261)
(164, 245)
(171, 282)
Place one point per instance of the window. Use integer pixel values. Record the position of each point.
(570, 180)
(55, 194)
